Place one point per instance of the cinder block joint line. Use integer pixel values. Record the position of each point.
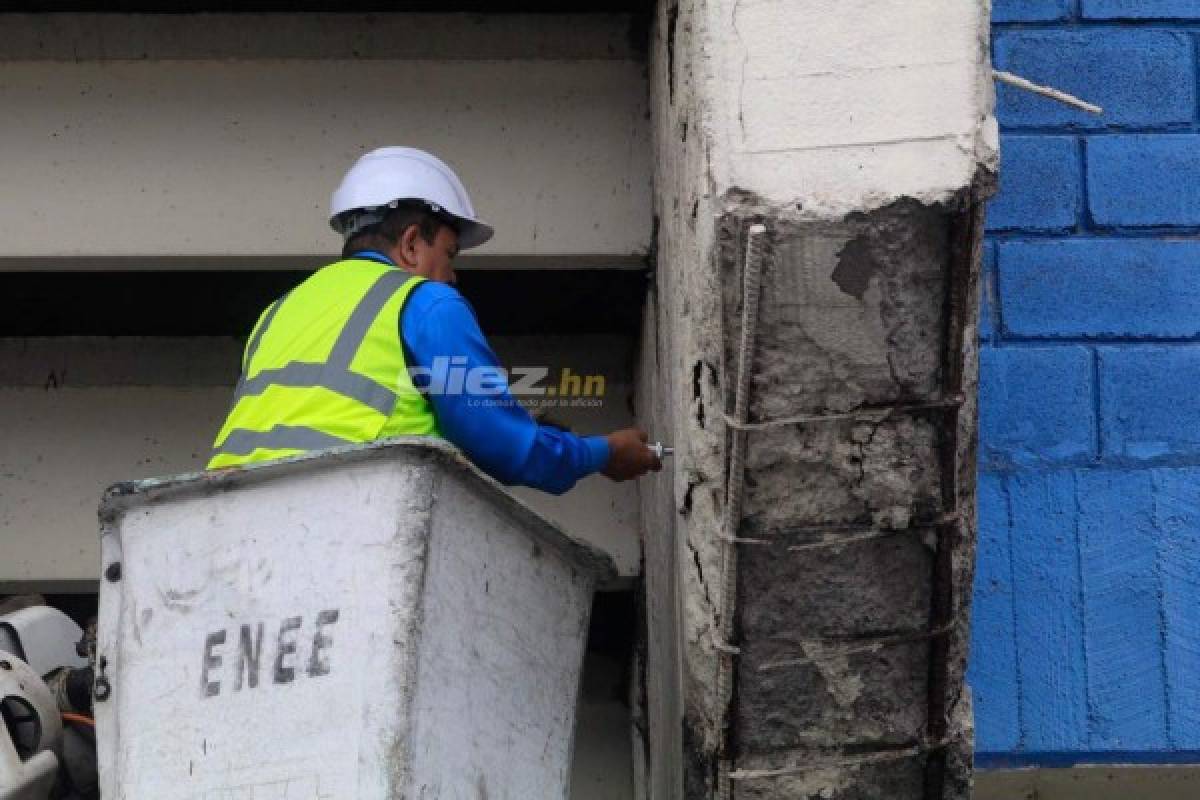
(1161, 590)
(1085, 206)
(1081, 599)
(1012, 578)
(1097, 406)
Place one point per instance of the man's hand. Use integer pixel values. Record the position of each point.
(629, 457)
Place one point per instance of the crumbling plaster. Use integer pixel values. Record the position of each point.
(861, 134)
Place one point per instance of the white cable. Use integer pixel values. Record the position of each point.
(1046, 91)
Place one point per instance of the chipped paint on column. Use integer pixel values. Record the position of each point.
(861, 133)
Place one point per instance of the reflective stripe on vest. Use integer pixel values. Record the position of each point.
(334, 373)
(240, 444)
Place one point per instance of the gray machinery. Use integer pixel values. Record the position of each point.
(47, 746)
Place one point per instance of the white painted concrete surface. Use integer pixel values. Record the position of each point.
(383, 618)
(845, 105)
(60, 447)
(79, 414)
(236, 151)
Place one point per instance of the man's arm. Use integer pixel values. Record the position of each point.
(440, 333)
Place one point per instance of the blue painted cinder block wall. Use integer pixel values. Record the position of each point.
(1086, 638)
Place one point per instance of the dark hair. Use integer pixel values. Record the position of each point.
(384, 234)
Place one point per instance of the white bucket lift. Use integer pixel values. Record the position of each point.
(374, 622)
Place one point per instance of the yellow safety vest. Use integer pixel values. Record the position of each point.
(325, 367)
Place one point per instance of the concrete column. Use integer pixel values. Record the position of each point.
(861, 135)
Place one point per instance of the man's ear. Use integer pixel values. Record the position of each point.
(407, 245)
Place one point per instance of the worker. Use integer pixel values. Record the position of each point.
(353, 354)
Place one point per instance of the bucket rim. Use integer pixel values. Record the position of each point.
(128, 495)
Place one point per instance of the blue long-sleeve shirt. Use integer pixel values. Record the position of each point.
(440, 332)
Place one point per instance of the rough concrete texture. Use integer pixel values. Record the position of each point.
(849, 680)
(808, 678)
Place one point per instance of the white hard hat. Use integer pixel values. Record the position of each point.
(386, 176)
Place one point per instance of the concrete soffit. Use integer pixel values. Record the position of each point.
(315, 36)
(168, 141)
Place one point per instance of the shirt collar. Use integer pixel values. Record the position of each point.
(373, 255)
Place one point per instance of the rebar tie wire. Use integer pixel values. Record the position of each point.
(830, 647)
(856, 534)
(871, 414)
(839, 646)
(843, 760)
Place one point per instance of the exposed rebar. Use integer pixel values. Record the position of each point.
(751, 289)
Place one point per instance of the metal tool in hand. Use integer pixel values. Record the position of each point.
(660, 450)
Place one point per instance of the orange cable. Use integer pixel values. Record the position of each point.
(80, 718)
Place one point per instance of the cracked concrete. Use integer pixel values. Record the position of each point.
(876, 488)
(827, 351)
(851, 605)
